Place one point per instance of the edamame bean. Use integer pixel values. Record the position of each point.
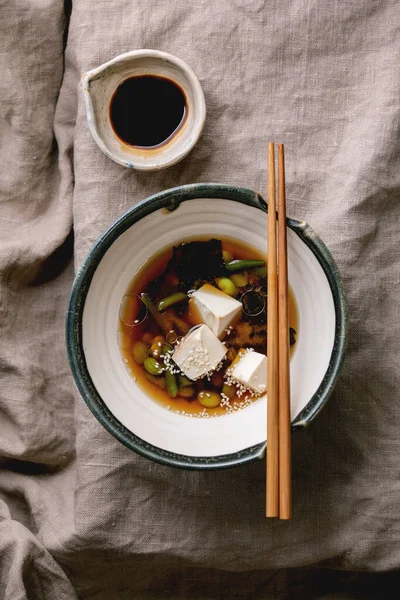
(228, 390)
(186, 392)
(147, 338)
(209, 399)
(240, 279)
(155, 349)
(227, 286)
(140, 352)
(153, 367)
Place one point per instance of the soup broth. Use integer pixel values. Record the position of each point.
(158, 310)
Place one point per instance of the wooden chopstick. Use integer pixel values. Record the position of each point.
(272, 508)
(279, 465)
(285, 459)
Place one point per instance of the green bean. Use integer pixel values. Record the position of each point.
(240, 279)
(153, 367)
(228, 390)
(227, 286)
(186, 392)
(240, 265)
(171, 301)
(184, 381)
(159, 319)
(165, 349)
(227, 256)
(172, 387)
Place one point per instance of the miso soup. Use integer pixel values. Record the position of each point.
(193, 327)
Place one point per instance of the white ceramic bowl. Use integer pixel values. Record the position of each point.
(99, 86)
(159, 222)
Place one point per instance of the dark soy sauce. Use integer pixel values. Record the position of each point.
(146, 110)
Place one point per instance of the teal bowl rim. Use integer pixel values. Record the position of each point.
(171, 199)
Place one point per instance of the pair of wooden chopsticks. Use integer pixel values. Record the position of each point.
(279, 471)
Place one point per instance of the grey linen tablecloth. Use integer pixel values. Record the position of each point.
(81, 515)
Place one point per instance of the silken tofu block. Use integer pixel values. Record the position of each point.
(251, 371)
(199, 352)
(214, 308)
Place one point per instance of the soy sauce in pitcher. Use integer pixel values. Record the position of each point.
(147, 110)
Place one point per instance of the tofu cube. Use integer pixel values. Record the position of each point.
(251, 371)
(214, 308)
(199, 352)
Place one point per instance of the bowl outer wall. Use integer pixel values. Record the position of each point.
(171, 199)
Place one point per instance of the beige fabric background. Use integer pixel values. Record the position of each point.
(80, 515)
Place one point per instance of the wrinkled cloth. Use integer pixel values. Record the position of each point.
(81, 516)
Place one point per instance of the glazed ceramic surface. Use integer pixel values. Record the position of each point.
(99, 86)
(160, 222)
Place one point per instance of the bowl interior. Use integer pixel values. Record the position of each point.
(126, 400)
(104, 82)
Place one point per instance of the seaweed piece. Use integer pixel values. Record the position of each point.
(292, 335)
(247, 335)
(196, 262)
